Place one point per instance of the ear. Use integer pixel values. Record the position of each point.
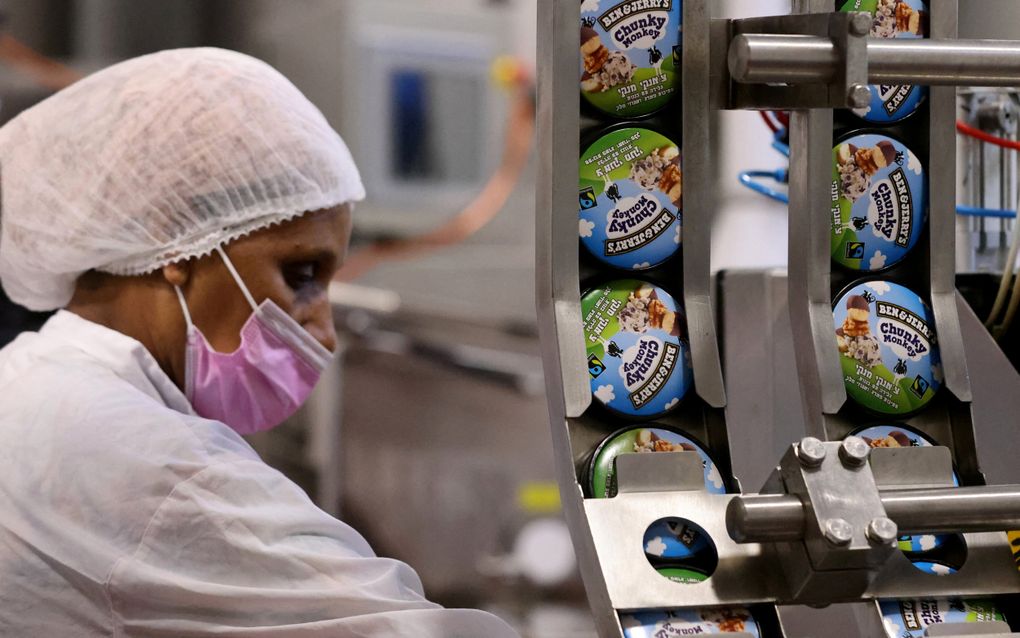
(177, 274)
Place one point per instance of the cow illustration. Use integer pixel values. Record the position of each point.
(614, 350)
(613, 193)
(655, 58)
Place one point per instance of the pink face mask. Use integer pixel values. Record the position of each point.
(266, 380)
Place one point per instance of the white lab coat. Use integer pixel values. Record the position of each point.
(124, 514)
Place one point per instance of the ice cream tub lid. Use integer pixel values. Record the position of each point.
(631, 199)
(888, 348)
(879, 202)
(670, 541)
(935, 568)
(893, 436)
(910, 618)
(683, 575)
(638, 440)
(897, 435)
(893, 19)
(689, 622)
(922, 544)
(630, 61)
(638, 357)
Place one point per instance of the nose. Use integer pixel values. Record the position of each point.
(319, 323)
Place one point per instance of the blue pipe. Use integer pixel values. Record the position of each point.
(970, 211)
(747, 178)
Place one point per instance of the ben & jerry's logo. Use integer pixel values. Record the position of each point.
(649, 370)
(907, 318)
(646, 216)
(894, 208)
(648, 26)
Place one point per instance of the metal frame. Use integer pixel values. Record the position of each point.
(607, 532)
(605, 563)
(697, 158)
(557, 274)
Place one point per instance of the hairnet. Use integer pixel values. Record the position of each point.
(155, 160)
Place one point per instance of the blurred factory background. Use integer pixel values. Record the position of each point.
(430, 436)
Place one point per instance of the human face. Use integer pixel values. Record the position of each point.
(291, 264)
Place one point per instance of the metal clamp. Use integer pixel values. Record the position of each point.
(802, 59)
(842, 62)
(772, 518)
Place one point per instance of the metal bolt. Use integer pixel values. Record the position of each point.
(854, 452)
(860, 23)
(838, 532)
(883, 531)
(811, 452)
(859, 96)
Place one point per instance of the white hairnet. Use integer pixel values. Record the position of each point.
(155, 160)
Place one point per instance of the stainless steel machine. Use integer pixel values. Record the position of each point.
(823, 528)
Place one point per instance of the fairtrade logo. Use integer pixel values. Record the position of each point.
(855, 250)
(920, 386)
(595, 367)
(587, 199)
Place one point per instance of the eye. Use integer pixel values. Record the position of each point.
(300, 275)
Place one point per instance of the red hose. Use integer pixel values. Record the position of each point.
(986, 137)
(772, 125)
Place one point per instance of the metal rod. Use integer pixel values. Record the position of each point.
(772, 518)
(796, 59)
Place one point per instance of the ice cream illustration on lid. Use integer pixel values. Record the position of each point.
(879, 202)
(858, 165)
(689, 622)
(638, 359)
(895, 438)
(631, 198)
(888, 345)
(603, 70)
(895, 17)
(892, 19)
(854, 336)
(630, 55)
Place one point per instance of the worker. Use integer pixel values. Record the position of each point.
(184, 212)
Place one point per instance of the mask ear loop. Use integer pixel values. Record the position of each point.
(237, 278)
(188, 384)
(184, 307)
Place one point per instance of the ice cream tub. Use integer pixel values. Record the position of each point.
(899, 19)
(638, 357)
(888, 348)
(893, 436)
(689, 622)
(910, 618)
(601, 474)
(630, 55)
(897, 435)
(879, 202)
(630, 198)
